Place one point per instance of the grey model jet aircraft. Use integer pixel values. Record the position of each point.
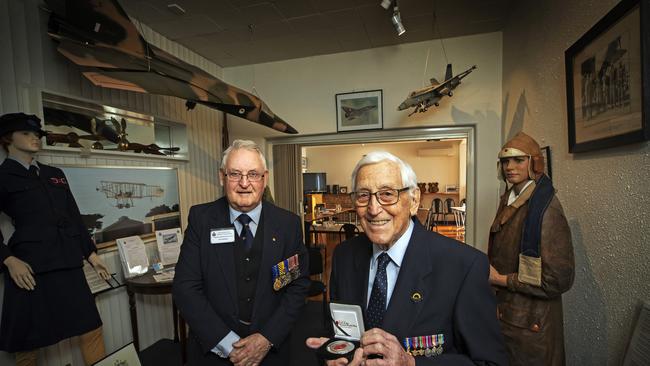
(352, 113)
(424, 98)
(100, 38)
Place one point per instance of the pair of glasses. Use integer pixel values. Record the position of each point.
(251, 176)
(385, 197)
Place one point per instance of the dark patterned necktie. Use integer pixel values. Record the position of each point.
(246, 233)
(377, 303)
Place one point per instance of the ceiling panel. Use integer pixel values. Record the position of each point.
(239, 32)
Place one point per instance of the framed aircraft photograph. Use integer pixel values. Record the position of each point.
(116, 202)
(359, 111)
(608, 80)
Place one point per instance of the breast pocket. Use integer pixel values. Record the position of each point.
(24, 198)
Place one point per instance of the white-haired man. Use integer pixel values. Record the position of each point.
(242, 277)
(425, 298)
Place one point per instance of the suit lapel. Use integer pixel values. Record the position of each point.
(359, 279)
(220, 218)
(410, 282)
(272, 249)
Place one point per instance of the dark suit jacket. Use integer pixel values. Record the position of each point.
(452, 279)
(50, 234)
(205, 284)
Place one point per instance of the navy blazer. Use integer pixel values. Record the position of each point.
(50, 234)
(456, 300)
(205, 284)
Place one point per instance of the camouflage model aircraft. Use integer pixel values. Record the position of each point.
(424, 98)
(100, 37)
(352, 113)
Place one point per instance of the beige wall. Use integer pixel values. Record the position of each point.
(302, 91)
(338, 162)
(604, 193)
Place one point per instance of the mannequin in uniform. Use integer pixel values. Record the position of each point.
(531, 257)
(46, 297)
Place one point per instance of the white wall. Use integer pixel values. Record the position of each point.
(604, 193)
(338, 162)
(302, 91)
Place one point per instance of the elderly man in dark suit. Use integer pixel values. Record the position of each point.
(425, 298)
(242, 277)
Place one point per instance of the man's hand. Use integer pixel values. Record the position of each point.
(379, 342)
(21, 273)
(358, 358)
(497, 278)
(250, 351)
(99, 266)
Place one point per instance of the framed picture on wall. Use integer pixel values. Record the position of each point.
(116, 202)
(359, 111)
(608, 80)
(546, 152)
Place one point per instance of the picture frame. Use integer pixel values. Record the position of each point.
(117, 202)
(548, 170)
(608, 80)
(357, 111)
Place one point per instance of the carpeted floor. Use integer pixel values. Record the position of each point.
(310, 324)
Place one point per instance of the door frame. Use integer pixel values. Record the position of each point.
(395, 135)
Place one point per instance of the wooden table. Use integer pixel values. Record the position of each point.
(146, 285)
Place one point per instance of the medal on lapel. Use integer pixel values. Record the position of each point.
(286, 271)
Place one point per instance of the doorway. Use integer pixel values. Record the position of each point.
(430, 140)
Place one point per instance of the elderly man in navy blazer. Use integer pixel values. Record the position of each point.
(242, 276)
(425, 298)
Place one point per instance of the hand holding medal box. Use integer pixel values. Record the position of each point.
(348, 328)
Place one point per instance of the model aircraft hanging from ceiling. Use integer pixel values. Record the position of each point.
(100, 37)
(424, 98)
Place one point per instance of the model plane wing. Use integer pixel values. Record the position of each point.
(100, 37)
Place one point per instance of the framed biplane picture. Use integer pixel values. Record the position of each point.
(359, 111)
(608, 80)
(120, 202)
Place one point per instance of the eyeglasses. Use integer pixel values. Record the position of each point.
(237, 176)
(385, 197)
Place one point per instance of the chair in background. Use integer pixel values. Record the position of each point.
(430, 223)
(437, 212)
(348, 231)
(449, 203)
(317, 287)
(463, 202)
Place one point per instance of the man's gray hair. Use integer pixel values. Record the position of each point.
(242, 144)
(409, 179)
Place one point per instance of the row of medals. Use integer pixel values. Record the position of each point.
(424, 346)
(283, 278)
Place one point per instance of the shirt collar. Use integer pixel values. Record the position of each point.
(397, 251)
(26, 166)
(513, 196)
(254, 214)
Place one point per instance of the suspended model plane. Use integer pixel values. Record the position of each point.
(424, 98)
(100, 38)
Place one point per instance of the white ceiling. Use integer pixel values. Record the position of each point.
(242, 32)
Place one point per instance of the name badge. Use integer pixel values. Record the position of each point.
(225, 235)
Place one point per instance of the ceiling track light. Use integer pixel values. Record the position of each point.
(397, 21)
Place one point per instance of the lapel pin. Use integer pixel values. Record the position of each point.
(416, 297)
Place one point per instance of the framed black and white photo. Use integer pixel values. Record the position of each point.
(608, 80)
(359, 111)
